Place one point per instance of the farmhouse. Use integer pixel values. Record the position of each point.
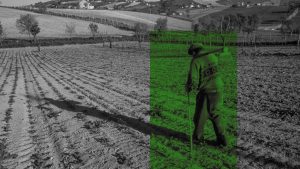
(177, 13)
(258, 4)
(241, 4)
(84, 4)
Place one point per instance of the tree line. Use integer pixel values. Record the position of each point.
(228, 23)
(245, 24)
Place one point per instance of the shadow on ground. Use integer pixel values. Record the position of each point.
(146, 128)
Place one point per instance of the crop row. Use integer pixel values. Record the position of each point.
(46, 72)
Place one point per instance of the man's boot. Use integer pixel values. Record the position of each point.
(197, 140)
(221, 139)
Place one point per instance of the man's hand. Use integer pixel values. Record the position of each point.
(188, 88)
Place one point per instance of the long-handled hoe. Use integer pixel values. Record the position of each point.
(190, 129)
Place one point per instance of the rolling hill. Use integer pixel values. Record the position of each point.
(268, 14)
(231, 2)
(127, 17)
(20, 3)
(51, 26)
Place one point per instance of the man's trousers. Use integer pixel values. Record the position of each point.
(208, 106)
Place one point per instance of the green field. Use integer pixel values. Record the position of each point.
(169, 147)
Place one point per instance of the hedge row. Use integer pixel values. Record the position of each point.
(12, 43)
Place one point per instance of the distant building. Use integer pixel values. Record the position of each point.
(83, 4)
(241, 4)
(177, 13)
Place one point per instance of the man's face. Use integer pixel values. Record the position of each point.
(194, 54)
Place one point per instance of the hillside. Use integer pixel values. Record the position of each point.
(268, 14)
(51, 26)
(127, 17)
(20, 3)
(296, 22)
(231, 2)
(206, 2)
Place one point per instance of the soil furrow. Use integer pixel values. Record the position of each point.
(11, 161)
(115, 135)
(129, 96)
(66, 155)
(83, 81)
(125, 111)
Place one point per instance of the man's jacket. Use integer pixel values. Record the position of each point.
(205, 74)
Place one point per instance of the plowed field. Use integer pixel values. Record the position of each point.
(87, 106)
(74, 106)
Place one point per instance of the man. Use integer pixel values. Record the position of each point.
(204, 77)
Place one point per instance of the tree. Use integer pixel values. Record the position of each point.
(110, 39)
(232, 23)
(251, 24)
(166, 6)
(2, 34)
(188, 12)
(42, 9)
(161, 24)
(295, 27)
(255, 21)
(25, 23)
(1, 29)
(195, 28)
(298, 29)
(94, 29)
(241, 21)
(292, 6)
(34, 30)
(70, 29)
(285, 27)
(140, 30)
(208, 25)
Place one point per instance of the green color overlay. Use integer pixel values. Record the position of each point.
(169, 106)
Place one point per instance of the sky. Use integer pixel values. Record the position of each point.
(19, 2)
